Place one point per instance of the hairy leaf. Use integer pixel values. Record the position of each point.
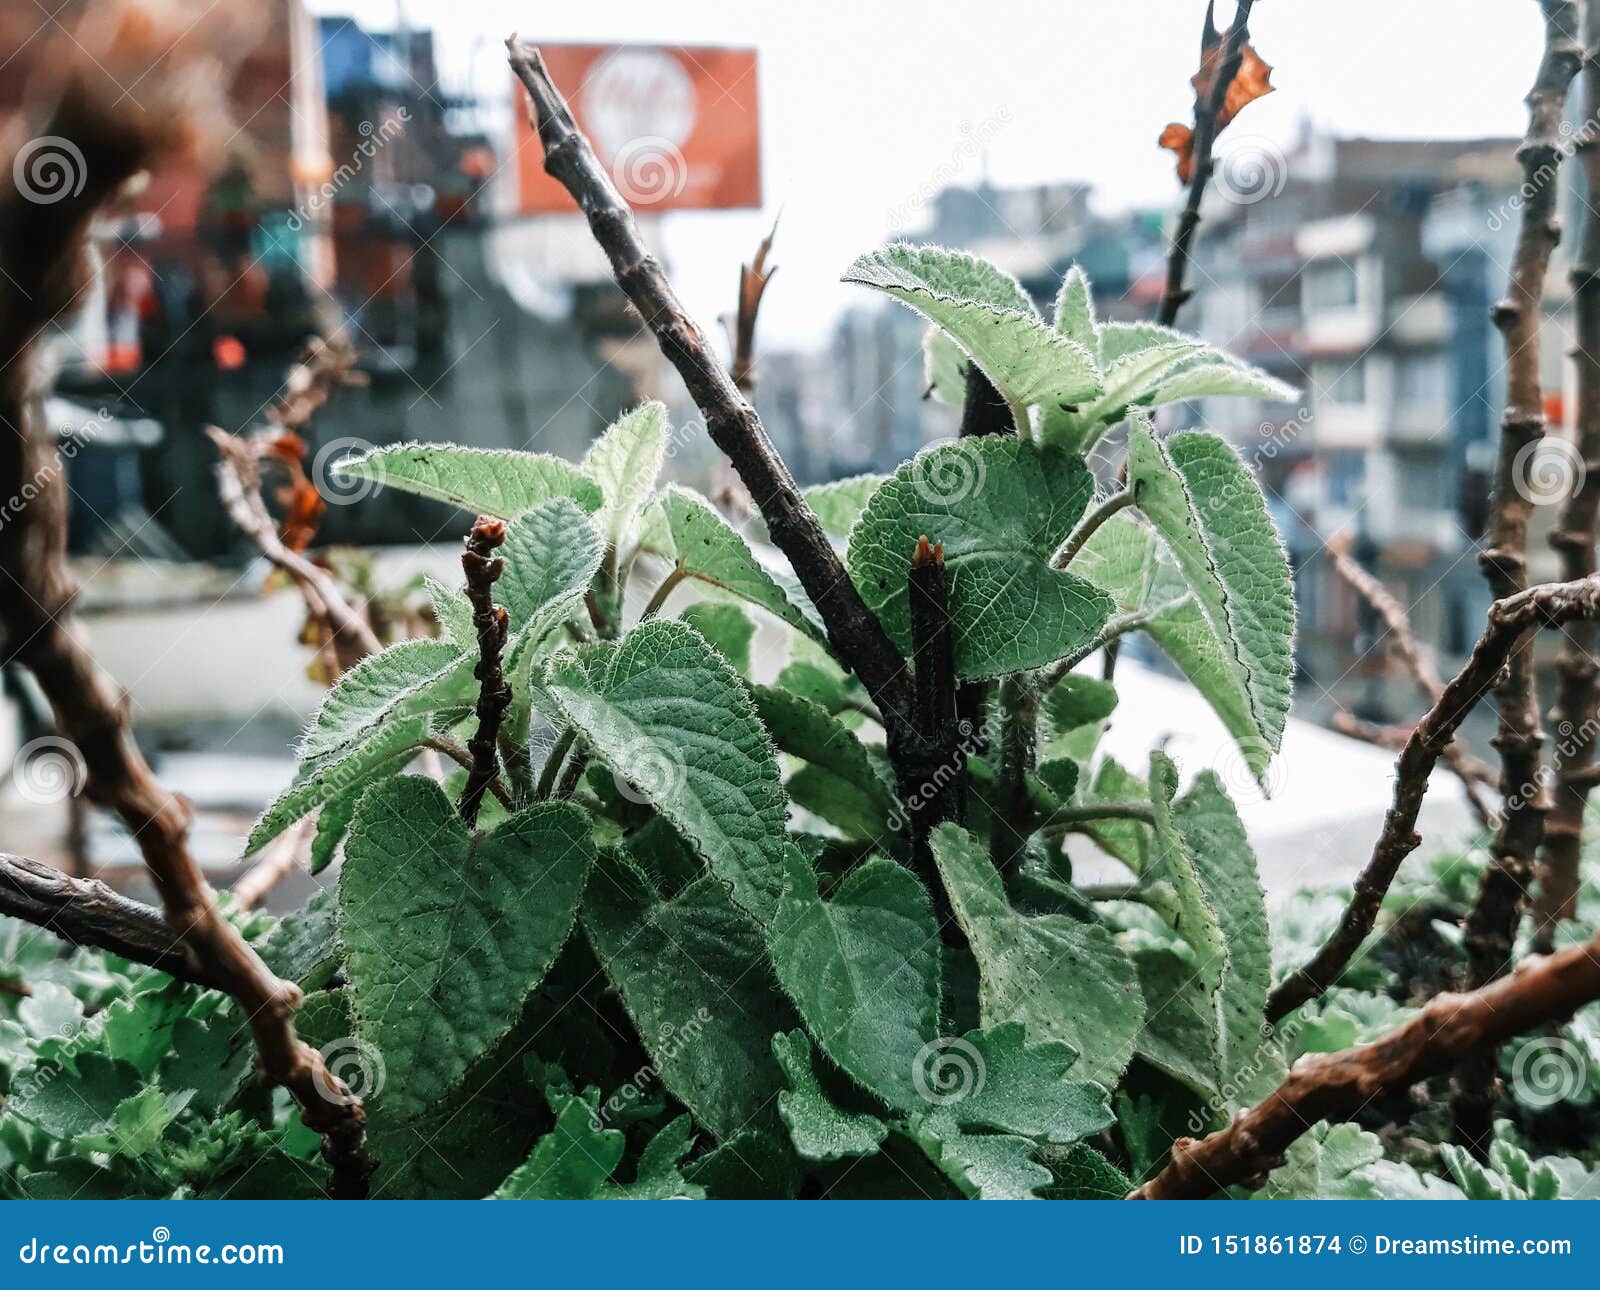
(669, 716)
(1208, 508)
(693, 975)
(842, 783)
(988, 316)
(819, 1130)
(838, 505)
(624, 462)
(682, 528)
(1064, 980)
(488, 481)
(863, 969)
(448, 933)
(1001, 508)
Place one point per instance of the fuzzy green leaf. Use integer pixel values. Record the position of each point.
(693, 975)
(726, 628)
(1075, 310)
(841, 783)
(681, 528)
(944, 367)
(863, 969)
(1218, 377)
(624, 461)
(487, 481)
(838, 505)
(1207, 507)
(988, 316)
(670, 717)
(448, 933)
(1064, 980)
(1001, 508)
(820, 1130)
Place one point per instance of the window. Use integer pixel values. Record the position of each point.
(1330, 284)
(1343, 382)
(1423, 381)
(1345, 472)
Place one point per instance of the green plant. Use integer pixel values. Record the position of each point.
(684, 946)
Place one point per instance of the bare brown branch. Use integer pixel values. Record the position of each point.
(1577, 698)
(43, 254)
(1550, 604)
(86, 912)
(1335, 1086)
(857, 637)
(349, 635)
(1490, 928)
(1403, 643)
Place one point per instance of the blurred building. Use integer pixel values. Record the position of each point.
(1363, 272)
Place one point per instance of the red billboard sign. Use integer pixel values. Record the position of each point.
(679, 128)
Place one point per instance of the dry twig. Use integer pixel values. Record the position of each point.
(43, 254)
(1224, 55)
(1490, 928)
(1403, 643)
(857, 637)
(1550, 604)
(1335, 1086)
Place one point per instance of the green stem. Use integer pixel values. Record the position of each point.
(659, 598)
(1091, 522)
(1068, 819)
(552, 764)
(1114, 629)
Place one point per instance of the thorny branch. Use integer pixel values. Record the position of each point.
(1573, 538)
(1491, 925)
(43, 254)
(1550, 604)
(483, 568)
(1207, 112)
(1335, 1086)
(1403, 643)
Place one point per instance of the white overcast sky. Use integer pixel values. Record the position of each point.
(866, 103)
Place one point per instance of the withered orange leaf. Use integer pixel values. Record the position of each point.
(1252, 81)
(303, 508)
